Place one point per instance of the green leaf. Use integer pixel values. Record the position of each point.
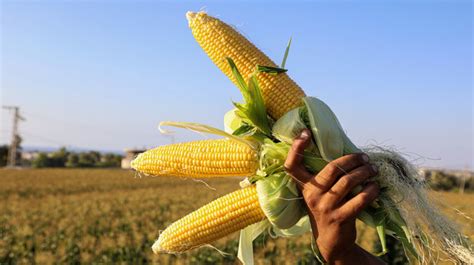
(270, 69)
(287, 50)
(240, 80)
(244, 130)
(253, 109)
(380, 224)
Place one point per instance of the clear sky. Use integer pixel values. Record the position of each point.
(103, 74)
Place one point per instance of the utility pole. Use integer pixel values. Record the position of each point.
(12, 152)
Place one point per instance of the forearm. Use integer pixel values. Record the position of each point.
(356, 255)
(353, 255)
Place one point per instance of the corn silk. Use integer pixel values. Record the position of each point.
(403, 209)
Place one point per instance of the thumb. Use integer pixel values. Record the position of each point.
(294, 161)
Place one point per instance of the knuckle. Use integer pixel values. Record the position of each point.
(296, 146)
(322, 208)
(338, 217)
(346, 181)
(366, 198)
(332, 168)
(312, 203)
(322, 178)
(374, 192)
(370, 170)
(362, 158)
(312, 199)
(365, 172)
(290, 168)
(357, 159)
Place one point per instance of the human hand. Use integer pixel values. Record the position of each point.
(331, 206)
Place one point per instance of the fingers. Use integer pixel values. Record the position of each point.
(336, 168)
(354, 206)
(294, 161)
(348, 182)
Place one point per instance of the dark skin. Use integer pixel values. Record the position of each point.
(331, 208)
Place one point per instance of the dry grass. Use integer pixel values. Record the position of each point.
(111, 216)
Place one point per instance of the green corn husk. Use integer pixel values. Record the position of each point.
(402, 210)
(281, 204)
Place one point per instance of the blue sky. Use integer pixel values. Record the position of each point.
(103, 74)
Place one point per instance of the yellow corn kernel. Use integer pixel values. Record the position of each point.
(199, 159)
(213, 221)
(219, 40)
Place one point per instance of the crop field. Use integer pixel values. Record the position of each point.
(72, 216)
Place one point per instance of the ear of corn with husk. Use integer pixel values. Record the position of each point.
(259, 134)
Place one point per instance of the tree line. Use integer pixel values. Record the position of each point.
(65, 158)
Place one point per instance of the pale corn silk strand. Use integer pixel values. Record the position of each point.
(433, 233)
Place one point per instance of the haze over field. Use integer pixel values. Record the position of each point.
(101, 75)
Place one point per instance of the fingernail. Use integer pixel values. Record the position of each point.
(304, 135)
(374, 168)
(365, 158)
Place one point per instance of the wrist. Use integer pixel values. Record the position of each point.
(344, 255)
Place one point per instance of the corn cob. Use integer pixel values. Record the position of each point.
(213, 221)
(206, 158)
(219, 40)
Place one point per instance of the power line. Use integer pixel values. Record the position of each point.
(45, 139)
(83, 126)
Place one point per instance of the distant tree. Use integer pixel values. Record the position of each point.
(438, 180)
(469, 184)
(86, 160)
(59, 158)
(63, 158)
(72, 160)
(110, 160)
(3, 155)
(41, 161)
(117, 160)
(95, 156)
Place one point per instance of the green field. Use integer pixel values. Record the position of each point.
(88, 216)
